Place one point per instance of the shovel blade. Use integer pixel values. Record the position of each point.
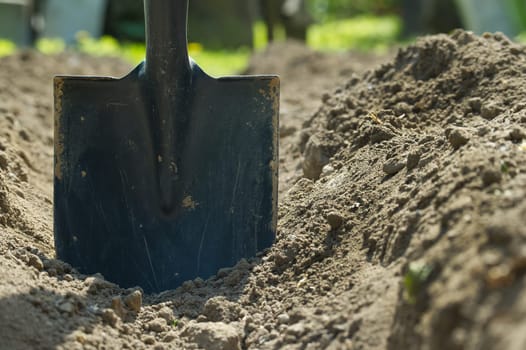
(108, 212)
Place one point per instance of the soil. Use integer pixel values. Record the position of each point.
(401, 219)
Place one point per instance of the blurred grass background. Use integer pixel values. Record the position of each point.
(362, 33)
(337, 25)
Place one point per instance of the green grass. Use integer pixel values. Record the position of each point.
(415, 279)
(363, 33)
(6, 48)
(218, 63)
(215, 63)
(359, 33)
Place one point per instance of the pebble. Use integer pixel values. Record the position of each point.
(283, 319)
(213, 336)
(335, 220)
(35, 262)
(148, 340)
(327, 170)
(413, 158)
(134, 301)
(393, 165)
(314, 159)
(517, 135)
(117, 306)
(297, 330)
(490, 176)
(490, 110)
(169, 337)
(3, 160)
(97, 283)
(457, 137)
(110, 317)
(476, 104)
(79, 337)
(67, 307)
(157, 325)
(166, 313)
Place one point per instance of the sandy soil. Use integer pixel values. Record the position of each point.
(401, 221)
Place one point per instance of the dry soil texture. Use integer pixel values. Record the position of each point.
(401, 225)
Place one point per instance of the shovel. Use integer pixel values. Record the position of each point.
(166, 174)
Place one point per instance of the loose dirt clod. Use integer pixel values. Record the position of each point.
(457, 137)
(134, 301)
(213, 336)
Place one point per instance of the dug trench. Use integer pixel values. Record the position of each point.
(401, 219)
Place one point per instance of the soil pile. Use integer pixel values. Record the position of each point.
(306, 75)
(424, 160)
(406, 230)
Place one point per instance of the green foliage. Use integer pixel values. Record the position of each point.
(517, 9)
(217, 62)
(415, 279)
(260, 40)
(362, 33)
(222, 62)
(109, 46)
(505, 167)
(6, 47)
(334, 9)
(50, 46)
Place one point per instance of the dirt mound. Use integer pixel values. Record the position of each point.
(306, 76)
(424, 158)
(405, 232)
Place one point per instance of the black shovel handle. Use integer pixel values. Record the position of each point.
(168, 76)
(166, 39)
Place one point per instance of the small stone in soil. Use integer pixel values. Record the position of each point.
(413, 158)
(392, 166)
(335, 220)
(213, 336)
(168, 338)
(148, 340)
(3, 160)
(110, 317)
(97, 283)
(283, 319)
(67, 307)
(314, 159)
(166, 313)
(35, 262)
(158, 325)
(476, 104)
(517, 135)
(457, 137)
(134, 301)
(116, 305)
(490, 176)
(490, 110)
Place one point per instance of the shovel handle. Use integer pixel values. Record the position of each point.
(166, 39)
(168, 75)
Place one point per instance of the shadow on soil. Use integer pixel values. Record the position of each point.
(46, 319)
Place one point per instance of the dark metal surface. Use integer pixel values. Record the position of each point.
(167, 174)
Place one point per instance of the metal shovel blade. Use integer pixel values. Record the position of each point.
(166, 174)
